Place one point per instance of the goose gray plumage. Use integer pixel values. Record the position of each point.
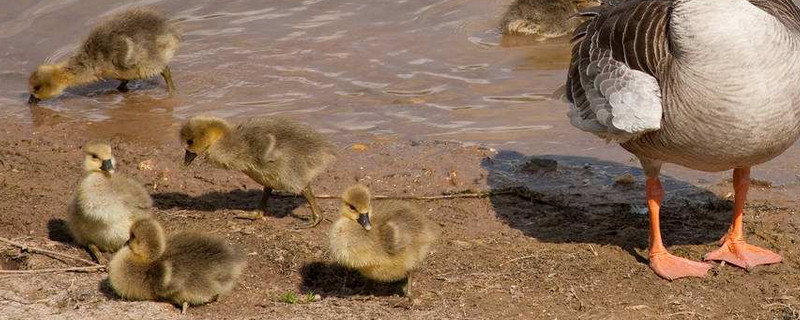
(709, 85)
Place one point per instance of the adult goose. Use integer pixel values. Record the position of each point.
(707, 84)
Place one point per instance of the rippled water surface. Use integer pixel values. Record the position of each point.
(435, 70)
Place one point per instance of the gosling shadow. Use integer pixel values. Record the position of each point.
(568, 199)
(330, 279)
(105, 288)
(57, 230)
(244, 200)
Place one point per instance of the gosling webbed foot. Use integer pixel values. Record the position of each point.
(123, 86)
(251, 215)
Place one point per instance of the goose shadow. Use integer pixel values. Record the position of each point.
(333, 280)
(571, 199)
(244, 200)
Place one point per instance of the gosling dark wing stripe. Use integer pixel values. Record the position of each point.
(784, 10)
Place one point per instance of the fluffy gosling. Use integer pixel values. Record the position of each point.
(135, 44)
(188, 269)
(106, 203)
(277, 153)
(543, 19)
(385, 241)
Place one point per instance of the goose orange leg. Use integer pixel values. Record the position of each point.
(734, 249)
(662, 262)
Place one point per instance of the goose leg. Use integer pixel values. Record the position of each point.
(258, 214)
(734, 249)
(123, 86)
(407, 300)
(167, 74)
(316, 216)
(662, 262)
(96, 254)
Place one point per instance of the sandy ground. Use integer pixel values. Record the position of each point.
(569, 244)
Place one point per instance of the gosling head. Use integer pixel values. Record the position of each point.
(49, 80)
(200, 133)
(356, 205)
(146, 240)
(98, 158)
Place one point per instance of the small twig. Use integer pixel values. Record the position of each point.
(684, 313)
(517, 259)
(455, 195)
(49, 253)
(206, 180)
(574, 294)
(593, 251)
(73, 269)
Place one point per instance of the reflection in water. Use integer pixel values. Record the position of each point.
(414, 68)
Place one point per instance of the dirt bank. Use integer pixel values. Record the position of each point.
(572, 245)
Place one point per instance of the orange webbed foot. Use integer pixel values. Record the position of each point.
(742, 254)
(671, 267)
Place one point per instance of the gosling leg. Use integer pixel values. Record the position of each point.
(316, 216)
(123, 86)
(407, 301)
(258, 214)
(184, 307)
(168, 78)
(96, 254)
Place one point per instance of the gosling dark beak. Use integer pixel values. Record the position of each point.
(107, 166)
(33, 100)
(363, 220)
(188, 157)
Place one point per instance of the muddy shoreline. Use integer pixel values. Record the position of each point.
(572, 245)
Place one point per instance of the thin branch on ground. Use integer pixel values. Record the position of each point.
(73, 269)
(517, 259)
(49, 253)
(454, 195)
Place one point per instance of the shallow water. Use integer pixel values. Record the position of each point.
(418, 69)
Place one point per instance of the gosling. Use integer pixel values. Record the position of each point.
(134, 44)
(543, 19)
(106, 203)
(277, 153)
(188, 269)
(386, 241)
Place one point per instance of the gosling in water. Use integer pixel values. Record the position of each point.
(277, 153)
(134, 44)
(385, 241)
(543, 19)
(187, 269)
(106, 203)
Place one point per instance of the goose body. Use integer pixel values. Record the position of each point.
(187, 268)
(277, 153)
(543, 19)
(106, 203)
(709, 85)
(134, 44)
(385, 241)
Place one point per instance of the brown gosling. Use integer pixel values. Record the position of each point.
(543, 19)
(187, 269)
(385, 241)
(275, 152)
(106, 203)
(135, 44)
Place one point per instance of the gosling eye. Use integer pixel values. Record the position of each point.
(189, 142)
(36, 88)
(94, 156)
(352, 207)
